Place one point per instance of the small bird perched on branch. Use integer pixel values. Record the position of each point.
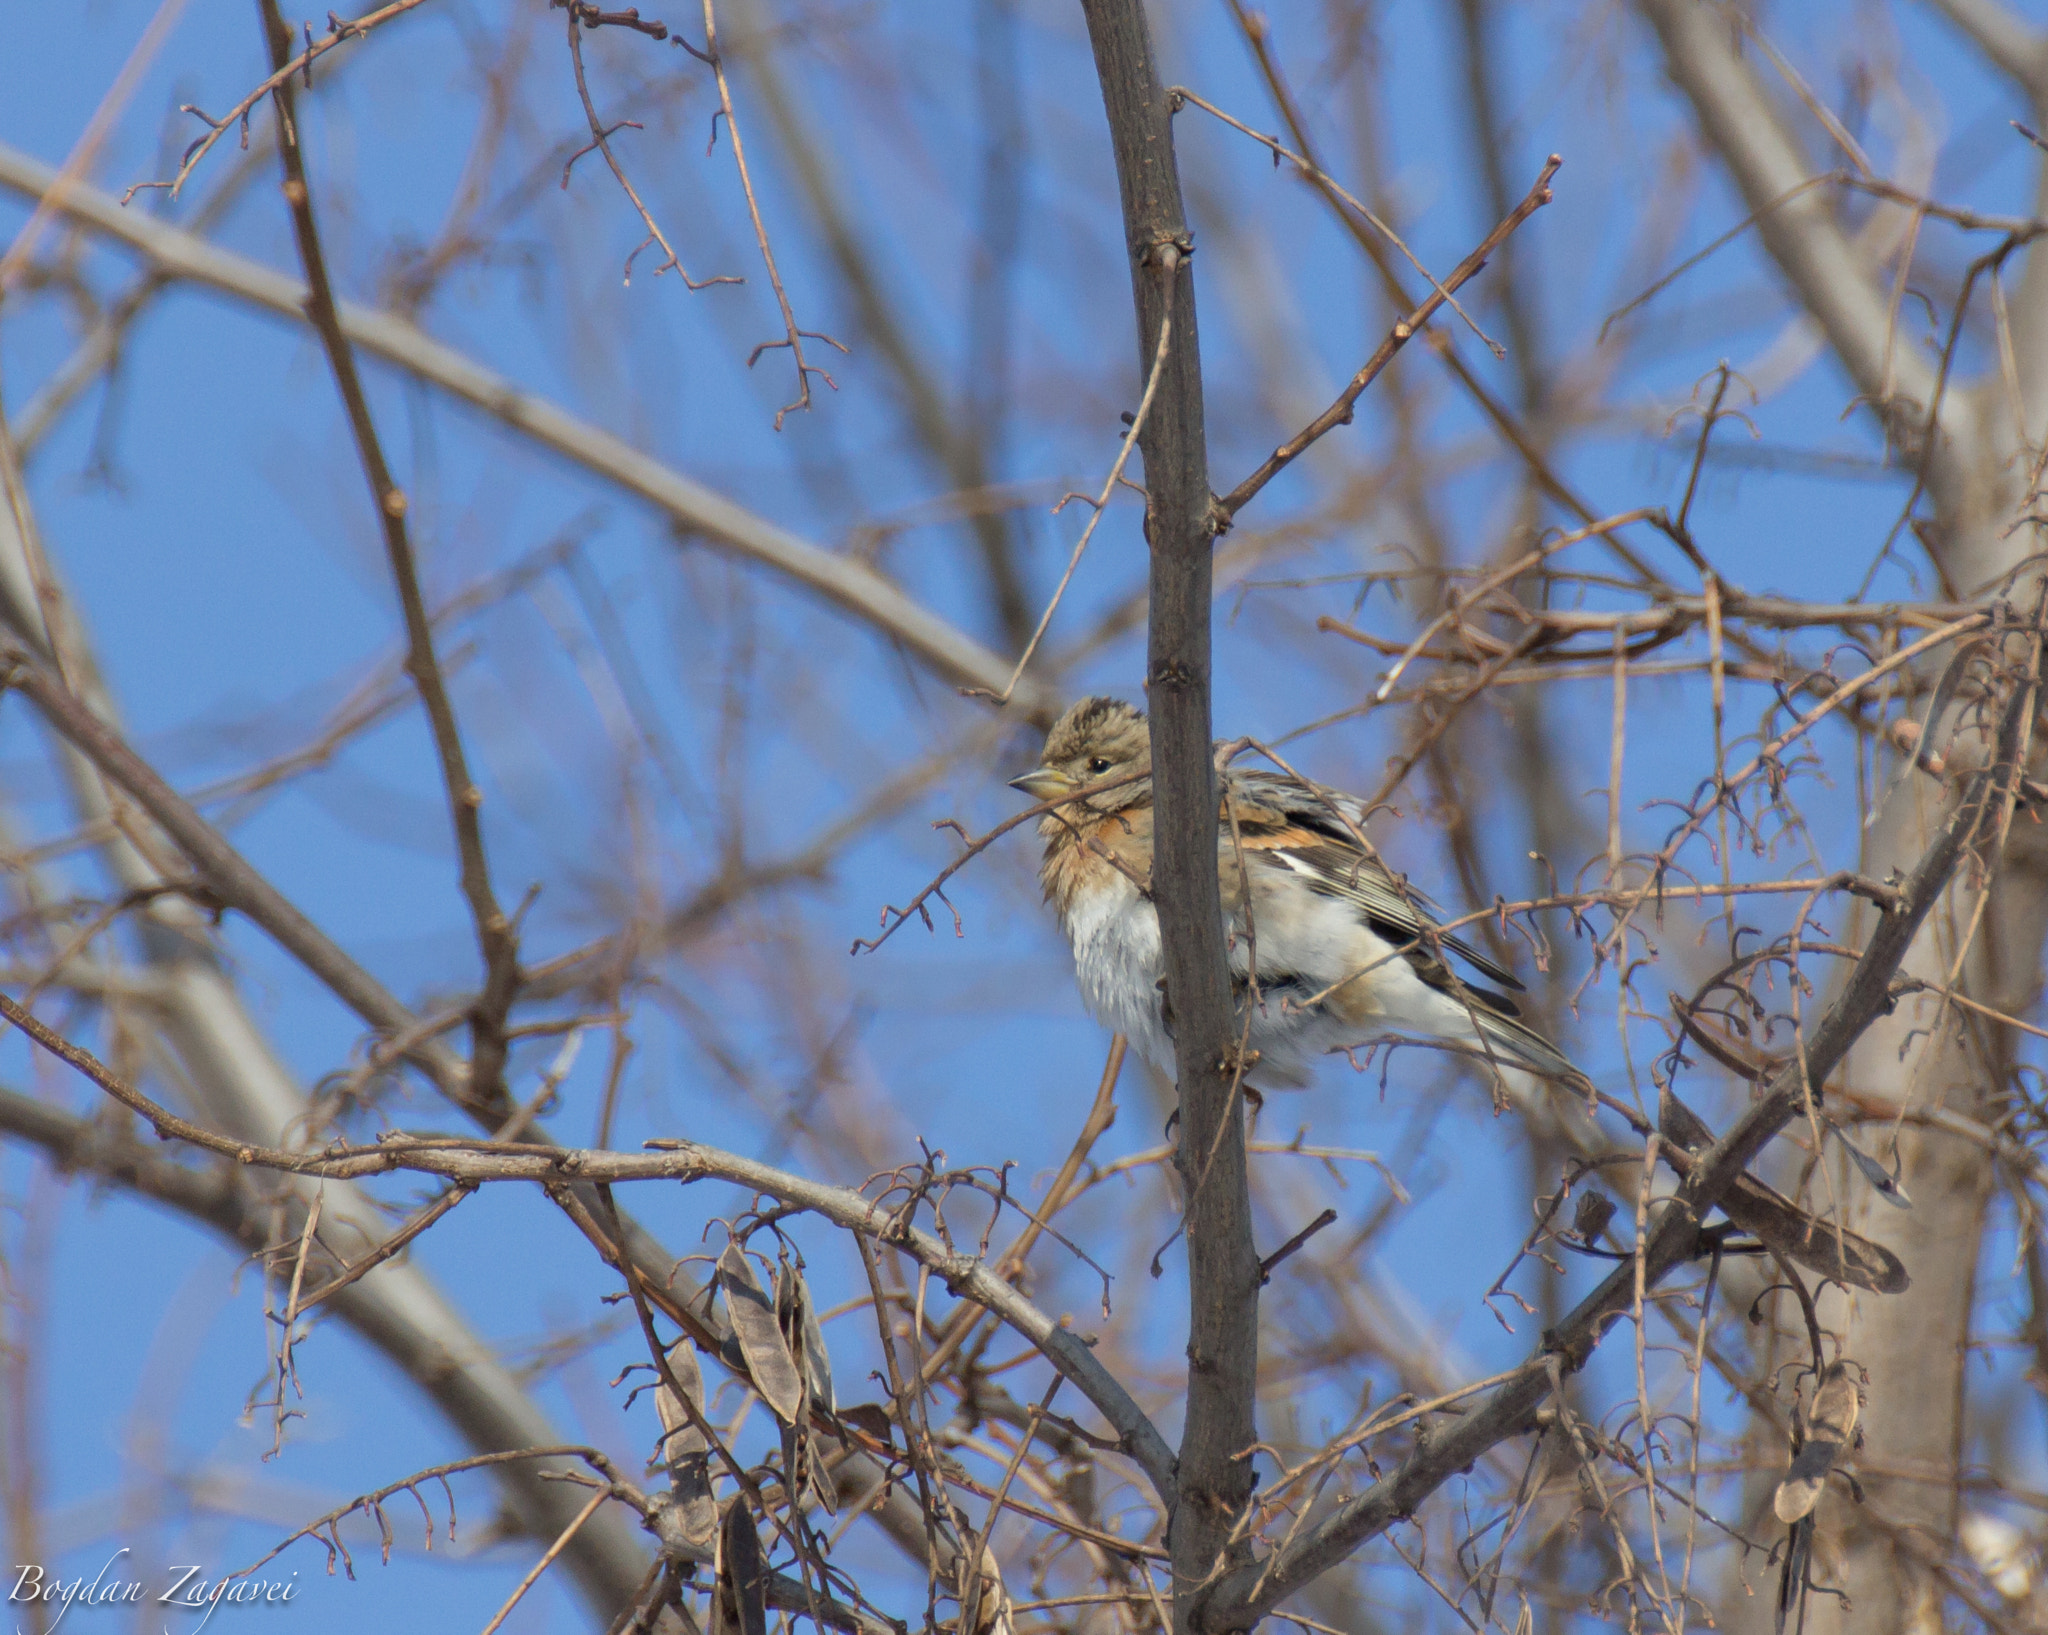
(1335, 953)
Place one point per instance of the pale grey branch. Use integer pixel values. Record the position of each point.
(1832, 278)
(848, 584)
(2012, 45)
(1250, 1593)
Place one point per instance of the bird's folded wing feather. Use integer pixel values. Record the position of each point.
(1313, 832)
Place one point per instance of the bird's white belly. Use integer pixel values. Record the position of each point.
(1117, 967)
(1314, 940)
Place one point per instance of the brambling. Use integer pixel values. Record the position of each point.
(1335, 953)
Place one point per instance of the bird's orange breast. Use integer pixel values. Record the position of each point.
(1095, 855)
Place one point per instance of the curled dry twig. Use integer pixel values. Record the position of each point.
(792, 337)
(339, 32)
(496, 933)
(601, 134)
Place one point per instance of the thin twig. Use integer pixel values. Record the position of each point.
(1339, 412)
(1328, 184)
(600, 139)
(792, 337)
(497, 937)
(547, 1559)
(281, 76)
(1169, 260)
(1294, 1244)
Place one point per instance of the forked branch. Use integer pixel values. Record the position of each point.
(1339, 413)
(497, 937)
(1248, 1594)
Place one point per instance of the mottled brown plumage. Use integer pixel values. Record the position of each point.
(1330, 949)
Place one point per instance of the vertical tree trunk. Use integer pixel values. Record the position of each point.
(1972, 462)
(1915, 1346)
(1215, 1477)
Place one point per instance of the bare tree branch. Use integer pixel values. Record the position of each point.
(394, 1309)
(238, 1080)
(953, 446)
(497, 938)
(1339, 413)
(1833, 279)
(467, 1162)
(846, 583)
(1251, 1592)
(1214, 1477)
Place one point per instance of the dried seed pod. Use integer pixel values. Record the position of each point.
(1820, 1246)
(1590, 1218)
(798, 1317)
(774, 1370)
(739, 1599)
(798, 1320)
(1830, 1427)
(1885, 1183)
(687, 1454)
(985, 1600)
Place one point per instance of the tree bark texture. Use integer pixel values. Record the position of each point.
(1215, 1477)
(1971, 460)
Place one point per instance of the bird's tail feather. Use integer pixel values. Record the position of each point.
(1526, 1048)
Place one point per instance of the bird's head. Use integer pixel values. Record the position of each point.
(1100, 741)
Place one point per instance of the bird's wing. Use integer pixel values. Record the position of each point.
(1316, 832)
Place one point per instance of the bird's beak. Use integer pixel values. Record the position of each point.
(1043, 783)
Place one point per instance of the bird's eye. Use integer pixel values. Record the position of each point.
(1098, 766)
